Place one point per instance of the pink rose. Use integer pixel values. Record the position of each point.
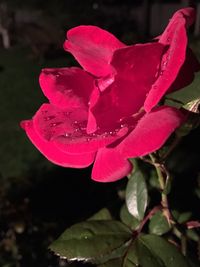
(107, 112)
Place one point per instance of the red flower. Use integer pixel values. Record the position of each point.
(106, 112)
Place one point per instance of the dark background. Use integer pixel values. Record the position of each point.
(37, 199)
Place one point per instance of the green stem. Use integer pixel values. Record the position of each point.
(182, 238)
(159, 169)
(183, 245)
(159, 172)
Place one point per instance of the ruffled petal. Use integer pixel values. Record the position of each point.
(55, 155)
(93, 48)
(51, 122)
(82, 142)
(136, 69)
(176, 38)
(151, 132)
(67, 87)
(110, 166)
(67, 130)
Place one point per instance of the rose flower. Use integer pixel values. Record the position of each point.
(108, 111)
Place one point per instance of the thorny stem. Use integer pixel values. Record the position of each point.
(163, 181)
(160, 169)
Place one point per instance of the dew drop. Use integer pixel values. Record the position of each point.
(55, 124)
(105, 135)
(83, 128)
(161, 72)
(123, 125)
(165, 63)
(48, 118)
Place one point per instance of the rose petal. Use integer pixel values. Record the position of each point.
(67, 87)
(67, 130)
(81, 142)
(55, 155)
(110, 166)
(92, 124)
(51, 122)
(174, 36)
(93, 48)
(186, 73)
(136, 68)
(151, 132)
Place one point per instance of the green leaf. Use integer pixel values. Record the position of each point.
(113, 263)
(181, 217)
(103, 214)
(153, 179)
(192, 234)
(158, 224)
(154, 251)
(94, 241)
(128, 219)
(136, 195)
(185, 95)
(135, 164)
(184, 217)
(130, 259)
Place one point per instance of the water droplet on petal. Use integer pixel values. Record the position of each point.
(48, 118)
(67, 134)
(165, 63)
(123, 125)
(55, 124)
(161, 72)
